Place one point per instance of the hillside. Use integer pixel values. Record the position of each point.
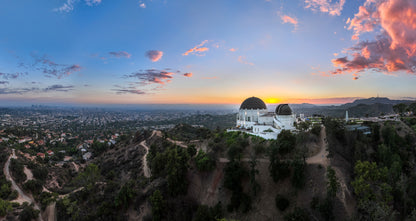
(194, 173)
(371, 107)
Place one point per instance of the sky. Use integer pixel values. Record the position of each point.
(206, 52)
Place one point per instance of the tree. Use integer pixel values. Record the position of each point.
(298, 179)
(191, 150)
(90, 175)
(5, 207)
(370, 183)
(28, 213)
(332, 185)
(400, 108)
(204, 162)
(298, 214)
(158, 204)
(125, 195)
(255, 187)
(286, 141)
(282, 202)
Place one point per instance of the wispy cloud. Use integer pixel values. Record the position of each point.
(197, 50)
(152, 76)
(142, 5)
(120, 54)
(52, 88)
(148, 77)
(233, 49)
(243, 60)
(394, 49)
(292, 20)
(52, 69)
(127, 90)
(59, 87)
(4, 82)
(8, 76)
(154, 55)
(326, 6)
(69, 5)
(92, 2)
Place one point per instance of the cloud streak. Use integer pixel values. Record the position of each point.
(393, 49)
(127, 90)
(154, 55)
(69, 5)
(325, 6)
(152, 76)
(8, 76)
(52, 88)
(59, 87)
(52, 69)
(197, 50)
(243, 60)
(119, 54)
(290, 20)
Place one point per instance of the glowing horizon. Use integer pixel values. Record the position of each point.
(177, 52)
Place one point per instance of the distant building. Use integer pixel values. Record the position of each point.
(254, 118)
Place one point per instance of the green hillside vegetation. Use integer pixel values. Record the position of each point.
(381, 165)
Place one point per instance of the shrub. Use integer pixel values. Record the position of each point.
(204, 162)
(298, 214)
(282, 202)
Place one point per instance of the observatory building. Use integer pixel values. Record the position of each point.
(254, 118)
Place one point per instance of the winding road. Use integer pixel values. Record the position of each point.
(22, 196)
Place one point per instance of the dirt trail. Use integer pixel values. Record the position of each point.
(146, 170)
(22, 196)
(178, 143)
(50, 212)
(28, 173)
(321, 157)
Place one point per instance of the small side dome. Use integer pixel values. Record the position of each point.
(283, 109)
(253, 103)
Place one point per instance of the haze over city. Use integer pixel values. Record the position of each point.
(206, 52)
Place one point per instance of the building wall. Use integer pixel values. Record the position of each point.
(247, 118)
(268, 120)
(284, 122)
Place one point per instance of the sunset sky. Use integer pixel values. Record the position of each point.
(177, 51)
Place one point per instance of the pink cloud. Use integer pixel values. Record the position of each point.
(188, 74)
(325, 6)
(243, 60)
(233, 49)
(291, 20)
(154, 55)
(197, 50)
(394, 49)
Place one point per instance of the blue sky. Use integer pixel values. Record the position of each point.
(97, 51)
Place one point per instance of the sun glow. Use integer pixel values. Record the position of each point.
(272, 100)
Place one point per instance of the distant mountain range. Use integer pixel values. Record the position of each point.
(374, 106)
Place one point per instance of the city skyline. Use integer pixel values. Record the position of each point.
(198, 52)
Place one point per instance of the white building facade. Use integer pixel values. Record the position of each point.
(253, 118)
